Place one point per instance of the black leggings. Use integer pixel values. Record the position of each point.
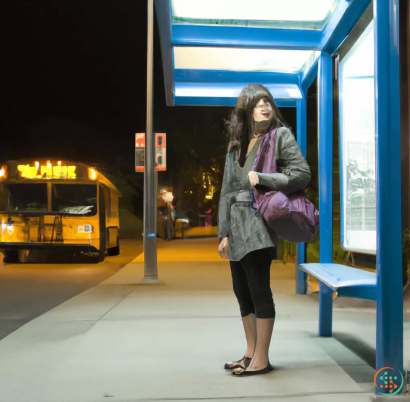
(251, 283)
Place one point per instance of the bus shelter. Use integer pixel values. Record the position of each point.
(212, 49)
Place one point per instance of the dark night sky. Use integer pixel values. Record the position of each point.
(73, 80)
(73, 77)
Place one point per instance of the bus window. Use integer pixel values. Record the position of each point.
(78, 199)
(107, 198)
(24, 197)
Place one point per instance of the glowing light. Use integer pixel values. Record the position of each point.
(10, 228)
(48, 171)
(294, 93)
(71, 172)
(232, 90)
(92, 174)
(236, 59)
(2, 172)
(27, 171)
(59, 172)
(267, 10)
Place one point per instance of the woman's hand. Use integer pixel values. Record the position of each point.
(224, 248)
(253, 178)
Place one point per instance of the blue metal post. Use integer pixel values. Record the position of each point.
(325, 310)
(389, 339)
(301, 108)
(325, 107)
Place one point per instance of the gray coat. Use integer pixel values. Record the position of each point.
(245, 228)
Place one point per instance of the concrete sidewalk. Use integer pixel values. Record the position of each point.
(122, 341)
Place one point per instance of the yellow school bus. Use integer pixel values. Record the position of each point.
(49, 206)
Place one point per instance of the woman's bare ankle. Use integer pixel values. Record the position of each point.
(249, 353)
(258, 363)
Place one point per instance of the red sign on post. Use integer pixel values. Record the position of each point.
(160, 152)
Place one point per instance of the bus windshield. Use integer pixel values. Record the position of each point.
(76, 199)
(26, 197)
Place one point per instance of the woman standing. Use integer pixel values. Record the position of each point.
(244, 237)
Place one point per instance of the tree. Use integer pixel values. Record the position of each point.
(198, 149)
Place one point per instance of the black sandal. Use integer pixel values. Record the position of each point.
(228, 366)
(244, 372)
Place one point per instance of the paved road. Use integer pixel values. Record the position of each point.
(29, 290)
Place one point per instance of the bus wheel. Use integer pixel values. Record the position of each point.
(11, 257)
(115, 250)
(101, 256)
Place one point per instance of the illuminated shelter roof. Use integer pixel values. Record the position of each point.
(293, 14)
(211, 49)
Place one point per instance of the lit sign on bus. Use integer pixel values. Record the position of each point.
(47, 171)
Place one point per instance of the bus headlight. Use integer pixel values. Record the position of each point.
(3, 172)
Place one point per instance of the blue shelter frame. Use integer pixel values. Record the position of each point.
(220, 87)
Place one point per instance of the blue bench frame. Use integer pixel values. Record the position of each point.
(346, 281)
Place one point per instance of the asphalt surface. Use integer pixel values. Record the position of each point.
(29, 290)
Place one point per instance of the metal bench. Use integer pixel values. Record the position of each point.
(346, 281)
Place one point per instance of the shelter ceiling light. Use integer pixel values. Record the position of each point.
(278, 91)
(235, 59)
(262, 10)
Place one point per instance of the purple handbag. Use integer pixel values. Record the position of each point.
(292, 216)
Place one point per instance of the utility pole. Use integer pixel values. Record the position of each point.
(150, 176)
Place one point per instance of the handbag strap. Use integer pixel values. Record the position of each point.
(265, 161)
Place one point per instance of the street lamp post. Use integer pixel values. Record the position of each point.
(150, 177)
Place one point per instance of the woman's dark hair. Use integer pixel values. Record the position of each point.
(241, 124)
